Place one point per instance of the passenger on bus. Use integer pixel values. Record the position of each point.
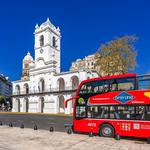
(117, 115)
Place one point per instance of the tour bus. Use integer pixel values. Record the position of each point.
(112, 106)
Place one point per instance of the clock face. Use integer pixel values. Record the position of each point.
(41, 50)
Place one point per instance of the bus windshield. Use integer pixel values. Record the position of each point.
(103, 86)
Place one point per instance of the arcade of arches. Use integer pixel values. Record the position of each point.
(41, 105)
(41, 85)
(75, 82)
(17, 90)
(61, 84)
(41, 101)
(26, 104)
(17, 106)
(61, 106)
(26, 88)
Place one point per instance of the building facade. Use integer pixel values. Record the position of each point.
(43, 88)
(87, 63)
(5, 87)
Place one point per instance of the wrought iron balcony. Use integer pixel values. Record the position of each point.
(47, 91)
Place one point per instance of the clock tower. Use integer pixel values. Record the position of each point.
(47, 47)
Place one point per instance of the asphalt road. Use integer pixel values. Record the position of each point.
(42, 121)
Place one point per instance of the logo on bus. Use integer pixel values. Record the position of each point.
(81, 100)
(124, 97)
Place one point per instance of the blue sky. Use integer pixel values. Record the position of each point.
(84, 24)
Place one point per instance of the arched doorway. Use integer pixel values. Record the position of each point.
(61, 84)
(26, 88)
(41, 105)
(18, 105)
(26, 105)
(17, 90)
(75, 82)
(41, 85)
(61, 104)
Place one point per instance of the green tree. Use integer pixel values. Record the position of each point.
(2, 100)
(117, 56)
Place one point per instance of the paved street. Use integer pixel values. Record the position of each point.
(42, 121)
(23, 139)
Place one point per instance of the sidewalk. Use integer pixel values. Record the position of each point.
(12, 138)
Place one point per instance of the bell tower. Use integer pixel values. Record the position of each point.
(47, 46)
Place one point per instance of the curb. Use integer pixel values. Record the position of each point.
(26, 113)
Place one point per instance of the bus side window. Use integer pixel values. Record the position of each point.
(89, 89)
(90, 113)
(147, 113)
(117, 115)
(128, 116)
(81, 111)
(114, 85)
(106, 88)
(105, 110)
(102, 114)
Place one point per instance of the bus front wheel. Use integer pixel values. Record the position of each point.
(148, 140)
(106, 130)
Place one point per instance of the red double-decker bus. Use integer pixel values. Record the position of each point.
(112, 106)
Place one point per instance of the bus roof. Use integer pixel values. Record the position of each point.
(110, 77)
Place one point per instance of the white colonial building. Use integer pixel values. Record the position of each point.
(43, 88)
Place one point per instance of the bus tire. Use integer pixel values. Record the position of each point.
(148, 140)
(106, 130)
